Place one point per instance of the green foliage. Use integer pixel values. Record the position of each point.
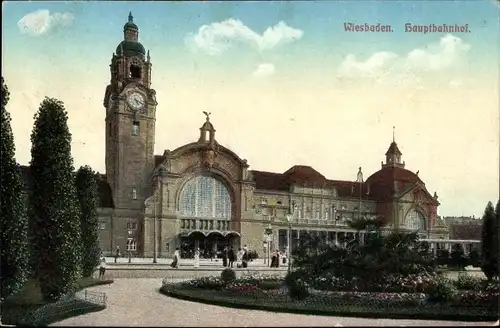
(442, 290)
(469, 282)
(490, 241)
(474, 258)
(457, 258)
(55, 217)
(297, 286)
(228, 275)
(366, 223)
(443, 257)
(13, 216)
(86, 187)
(370, 263)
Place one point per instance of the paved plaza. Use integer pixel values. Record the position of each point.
(139, 261)
(137, 302)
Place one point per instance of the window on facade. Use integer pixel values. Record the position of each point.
(134, 193)
(318, 215)
(205, 197)
(131, 245)
(327, 215)
(135, 72)
(299, 213)
(135, 128)
(415, 221)
(102, 226)
(129, 225)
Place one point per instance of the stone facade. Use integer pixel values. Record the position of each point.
(153, 210)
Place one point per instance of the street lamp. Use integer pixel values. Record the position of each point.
(289, 218)
(128, 247)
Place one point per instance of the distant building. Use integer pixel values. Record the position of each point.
(464, 228)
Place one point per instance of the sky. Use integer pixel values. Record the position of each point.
(285, 82)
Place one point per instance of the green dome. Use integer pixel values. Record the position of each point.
(130, 25)
(130, 48)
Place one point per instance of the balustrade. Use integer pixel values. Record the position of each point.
(205, 224)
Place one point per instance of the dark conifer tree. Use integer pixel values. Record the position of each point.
(86, 186)
(55, 212)
(14, 264)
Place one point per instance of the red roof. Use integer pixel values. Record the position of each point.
(391, 180)
(308, 177)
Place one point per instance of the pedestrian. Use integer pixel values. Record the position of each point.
(197, 258)
(224, 257)
(102, 268)
(117, 253)
(175, 262)
(244, 258)
(239, 258)
(231, 256)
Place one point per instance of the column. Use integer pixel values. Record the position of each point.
(336, 238)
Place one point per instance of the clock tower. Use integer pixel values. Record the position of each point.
(130, 105)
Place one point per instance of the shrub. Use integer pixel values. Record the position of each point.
(269, 284)
(478, 299)
(297, 287)
(441, 290)
(469, 282)
(205, 283)
(228, 275)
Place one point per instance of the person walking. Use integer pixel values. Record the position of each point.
(175, 262)
(197, 258)
(239, 258)
(224, 257)
(117, 253)
(232, 257)
(102, 268)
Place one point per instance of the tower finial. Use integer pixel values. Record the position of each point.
(207, 116)
(393, 134)
(130, 17)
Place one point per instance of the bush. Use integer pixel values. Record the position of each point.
(228, 275)
(297, 287)
(441, 290)
(269, 284)
(204, 283)
(469, 282)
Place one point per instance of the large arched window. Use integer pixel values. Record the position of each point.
(415, 221)
(205, 197)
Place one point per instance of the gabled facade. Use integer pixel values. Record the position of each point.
(203, 195)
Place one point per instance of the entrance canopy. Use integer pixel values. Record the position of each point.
(210, 233)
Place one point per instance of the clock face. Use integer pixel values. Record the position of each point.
(136, 101)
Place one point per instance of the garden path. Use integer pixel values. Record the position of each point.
(137, 302)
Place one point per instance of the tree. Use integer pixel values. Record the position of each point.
(55, 226)
(457, 258)
(86, 187)
(14, 264)
(489, 242)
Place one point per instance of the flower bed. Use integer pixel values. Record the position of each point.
(410, 284)
(375, 305)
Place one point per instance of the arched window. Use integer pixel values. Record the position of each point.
(415, 221)
(205, 197)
